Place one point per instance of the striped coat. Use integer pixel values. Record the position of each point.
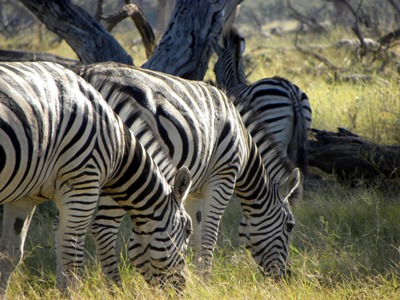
(281, 106)
(60, 141)
(190, 123)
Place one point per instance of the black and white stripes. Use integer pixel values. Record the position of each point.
(277, 102)
(190, 123)
(59, 140)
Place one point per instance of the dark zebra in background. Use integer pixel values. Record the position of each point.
(276, 101)
(190, 123)
(60, 141)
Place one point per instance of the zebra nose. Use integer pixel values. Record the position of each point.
(179, 284)
(175, 281)
(276, 271)
(288, 274)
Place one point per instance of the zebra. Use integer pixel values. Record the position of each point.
(276, 101)
(198, 126)
(60, 141)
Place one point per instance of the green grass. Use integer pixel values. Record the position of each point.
(346, 244)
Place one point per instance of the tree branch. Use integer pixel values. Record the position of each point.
(356, 28)
(322, 59)
(390, 37)
(90, 41)
(99, 10)
(394, 35)
(395, 6)
(138, 17)
(185, 48)
(311, 22)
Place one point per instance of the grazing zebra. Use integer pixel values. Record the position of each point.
(276, 101)
(197, 126)
(59, 140)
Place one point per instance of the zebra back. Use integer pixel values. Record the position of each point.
(297, 148)
(229, 69)
(279, 103)
(179, 122)
(196, 125)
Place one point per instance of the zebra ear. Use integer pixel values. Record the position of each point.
(242, 45)
(290, 184)
(216, 46)
(182, 184)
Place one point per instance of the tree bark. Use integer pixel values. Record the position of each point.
(349, 157)
(311, 22)
(185, 48)
(91, 42)
(183, 51)
(138, 17)
(163, 12)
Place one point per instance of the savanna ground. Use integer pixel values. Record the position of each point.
(346, 242)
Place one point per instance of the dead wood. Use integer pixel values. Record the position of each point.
(350, 157)
(185, 49)
(313, 54)
(310, 21)
(90, 41)
(140, 20)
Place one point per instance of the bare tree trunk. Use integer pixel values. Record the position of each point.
(164, 11)
(185, 48)
(91, 42)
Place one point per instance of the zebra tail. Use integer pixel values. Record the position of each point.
(301, 134)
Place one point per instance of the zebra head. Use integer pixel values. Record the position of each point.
(266, 230)
(229, 69)
(158, 244)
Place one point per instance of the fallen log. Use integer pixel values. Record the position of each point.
(349, 157)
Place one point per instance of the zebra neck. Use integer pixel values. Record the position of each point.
(235, 73)
(137, 180)
(235, 90)
(254, 180)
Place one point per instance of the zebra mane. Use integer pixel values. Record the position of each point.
(283, 79)
(232, 45)
(121, 96)
(231, 37)
(269, 148)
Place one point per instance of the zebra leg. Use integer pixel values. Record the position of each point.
(75, 214)
(206, 210)
(16, 219)
(105, 230)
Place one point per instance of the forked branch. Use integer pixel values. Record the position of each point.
(140, 20)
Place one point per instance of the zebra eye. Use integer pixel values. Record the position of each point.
(289, 226)
(189, 228)
(242, 45)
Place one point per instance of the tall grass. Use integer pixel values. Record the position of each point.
(346, 243)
